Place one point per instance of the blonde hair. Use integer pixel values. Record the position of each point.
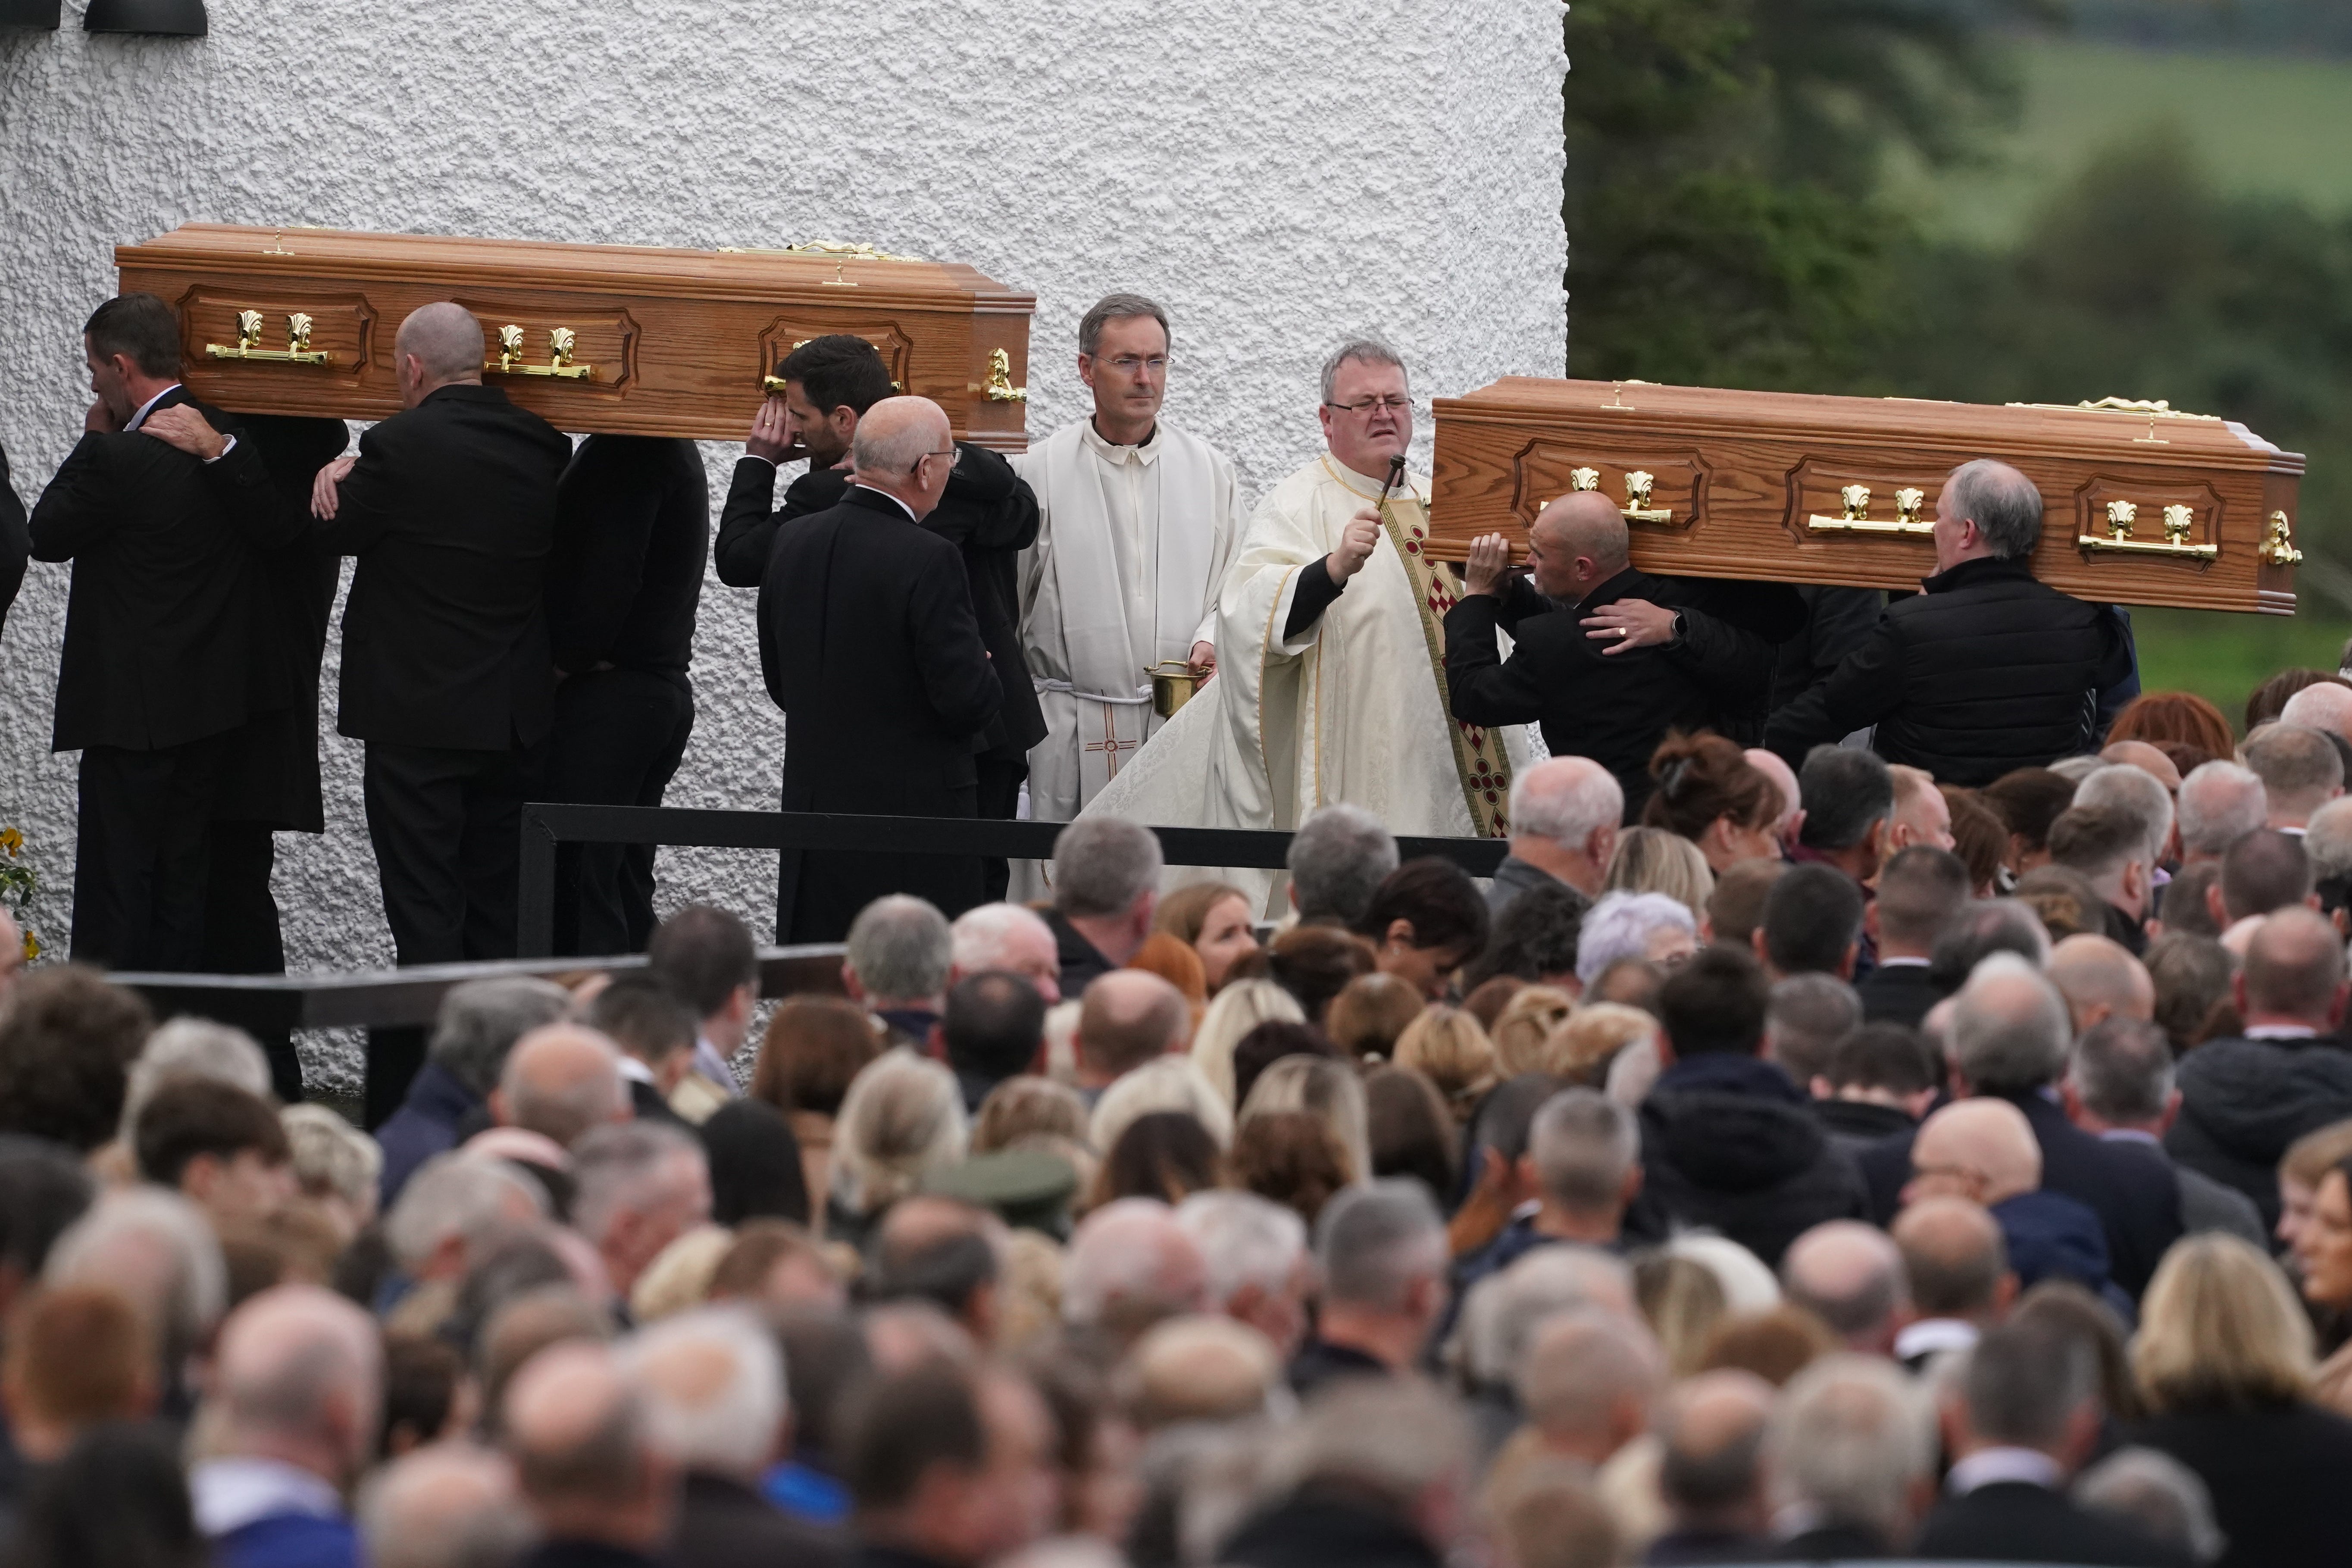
(1588, 1041)
(1164, 1083)
(1325, 1089)
(1238, 1008)
(1524, 1027)
(2220, 1327)
(2309, 1158)
(903, 1116)
(1652, 860)
(1448, 1047)
(1370, 1012)
(1025, 1106)
(680, 1276)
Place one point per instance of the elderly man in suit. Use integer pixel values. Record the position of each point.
(870, 645)
(162, 661)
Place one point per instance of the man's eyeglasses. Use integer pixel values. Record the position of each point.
(951, 455)
(1365, 408)
(1146, 364)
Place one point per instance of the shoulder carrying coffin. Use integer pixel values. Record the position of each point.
(626, 340)
(2141, 505)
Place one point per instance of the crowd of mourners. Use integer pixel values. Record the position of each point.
(1836, 1164)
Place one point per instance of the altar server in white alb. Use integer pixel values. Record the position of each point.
(1138, 524)
(1331, 639)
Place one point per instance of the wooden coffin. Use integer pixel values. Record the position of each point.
(2142, 505)
(626, 339)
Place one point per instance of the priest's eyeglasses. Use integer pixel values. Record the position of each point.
(1367, 408)
(1140, 364)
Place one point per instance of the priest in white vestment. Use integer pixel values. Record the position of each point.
(1138, 526)
(1330, 653)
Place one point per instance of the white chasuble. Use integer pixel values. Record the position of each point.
(1352, 708)
(1132, 546)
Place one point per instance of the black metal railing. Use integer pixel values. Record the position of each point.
(545, 825)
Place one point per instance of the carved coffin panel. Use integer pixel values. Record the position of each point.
(622, 338)
(2140, 505)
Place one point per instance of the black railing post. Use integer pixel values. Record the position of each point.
(535, 898)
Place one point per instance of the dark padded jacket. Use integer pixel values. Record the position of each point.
(2243, 1102)
(1986, 671)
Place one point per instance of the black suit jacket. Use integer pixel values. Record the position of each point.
(868, 644)
(2015, 1521)
(451, 511)
(1897, 993)
(159, 644)
(15, 546)
(722, 1523)
(633, 526)
(1613, 709)
(987, 511)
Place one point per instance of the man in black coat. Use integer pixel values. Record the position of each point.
(2027, 1414)
(1632, 657)
(1727, 1141)
(633, 528)
(1986, 671)
(447, 673)
(15, 546)
(1919, 890)
(987, 511)
(869, 645)
(160, 664)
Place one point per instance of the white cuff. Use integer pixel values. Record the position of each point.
(230, 446)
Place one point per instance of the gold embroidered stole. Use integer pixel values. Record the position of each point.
(1478, 755)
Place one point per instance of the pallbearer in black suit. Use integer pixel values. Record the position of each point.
(448, 674)
(16, 547)
(869, 645)
(160, 664)
(633, 526)
(988, 511)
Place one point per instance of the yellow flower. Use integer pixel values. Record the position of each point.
(12, 840)
(32, 947)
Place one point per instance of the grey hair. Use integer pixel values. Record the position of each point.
(1355, 351)
(2122, 1068)
(193, 1048)
(1620, 926)
(2001, 502)
(2003, 1045)
(2157, 1494)
(728, 1425)
(1118, 308)
(1843, 790)
(1546, 804)
(2298, 766)
(565, 1111)
(1805, 1019)
(903, 1115)
(456, 1193)
(2220, 803)
(196, 1285)
(1337, 861)
(481, 1020)
(1372, 1241)
(901, 949)
(1983, 928)
(1168, 1082)
(1102, 865)
(1395, 1439)
(2327, 838)
(1504, 1311)
(619, 1166)
(2023, 1380)
(410, 1520)
(1128, 1257)
(330, 1155)
(1579, 1364)
(1244, 1239)
(1852, 1436)
(1583, 1143)
(891, 446)
(2121, 787)
(981, 938)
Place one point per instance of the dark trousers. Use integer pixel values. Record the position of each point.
(619, 735)
(447, 827)
(241, 930)
(139, 854)
(1000, 801)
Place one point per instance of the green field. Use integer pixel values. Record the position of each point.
(2262, 125)
(2222, 658)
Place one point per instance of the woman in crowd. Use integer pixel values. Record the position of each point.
(1314, 964)
(1325, 1087)
(1163, 1154)
(1655, 860)
(1648, 928)
(1446, 1047)
(2321, 1237)
(1710, 793)
(1526, 1026)
(1412, 1134)
(1291, 1158)
(2027, 801)
(814, 1049)
(901, 1118)
(1216, 920)
(1367, 1017)
(2223, 1358)
(1426, 920)
(2176, 717)
(1238, 1008)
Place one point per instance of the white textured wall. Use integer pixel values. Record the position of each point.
(1278, 175)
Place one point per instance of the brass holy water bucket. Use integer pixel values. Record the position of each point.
(1173, 683)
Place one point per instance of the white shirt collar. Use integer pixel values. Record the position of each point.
(231, 1493)
(634, 1071)
(1931, 1336)
(894, 500)
(140, 418)
(711, 1064)
(1900, 962)
(2130, 1135)
(1989, 1467)
(2282, 1032)
(1112, 452)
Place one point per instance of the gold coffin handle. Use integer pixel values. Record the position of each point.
(2278, 542)
(560, 344)
(297, 349)
(998, 388)
(1638, 485)
(2180, 521)
(1855, 518)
